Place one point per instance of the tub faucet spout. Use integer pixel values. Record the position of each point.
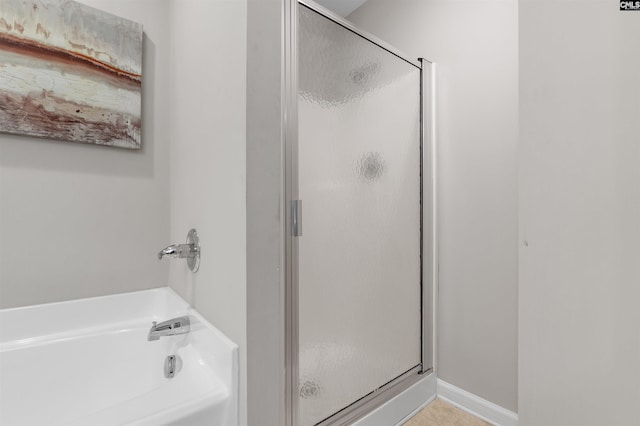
(172, 327)
(178, 251)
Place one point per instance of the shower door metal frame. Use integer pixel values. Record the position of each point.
(428, 244)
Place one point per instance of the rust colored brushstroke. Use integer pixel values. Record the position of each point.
(4, 24)
(27, 116)
(46, 52)
(42, 30)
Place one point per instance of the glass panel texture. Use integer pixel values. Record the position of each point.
(359, 179)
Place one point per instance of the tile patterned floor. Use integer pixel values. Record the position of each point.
(440, 413)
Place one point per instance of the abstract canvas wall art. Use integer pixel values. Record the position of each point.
(70, 72)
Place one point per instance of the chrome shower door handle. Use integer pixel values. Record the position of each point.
(296, 218)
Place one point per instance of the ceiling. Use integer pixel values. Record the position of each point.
(341, 7)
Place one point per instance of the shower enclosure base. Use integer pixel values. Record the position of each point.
(404, 405)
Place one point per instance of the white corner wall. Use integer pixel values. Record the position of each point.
(208, 161)
(475, 47)
(265, 277)
(579, 214)
(82, 220)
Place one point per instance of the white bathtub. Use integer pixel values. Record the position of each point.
(88, 363)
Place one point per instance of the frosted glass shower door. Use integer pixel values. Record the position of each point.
(359, 181)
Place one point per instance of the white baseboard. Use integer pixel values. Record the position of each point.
(395, 411)
(473, 404)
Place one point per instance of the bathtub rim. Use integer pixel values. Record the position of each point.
(22, 327)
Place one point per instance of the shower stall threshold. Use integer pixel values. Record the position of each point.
(404, 405)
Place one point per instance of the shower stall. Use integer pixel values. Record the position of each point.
(359, 179)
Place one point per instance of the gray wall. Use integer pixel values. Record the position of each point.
(208, 164)
(475, 45)
(580, 214)
(265, 276)
(82, 220)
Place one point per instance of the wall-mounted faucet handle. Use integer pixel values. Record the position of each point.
(189, 251)
(167, 251)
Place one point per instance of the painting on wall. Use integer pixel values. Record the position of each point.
(70, 72)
